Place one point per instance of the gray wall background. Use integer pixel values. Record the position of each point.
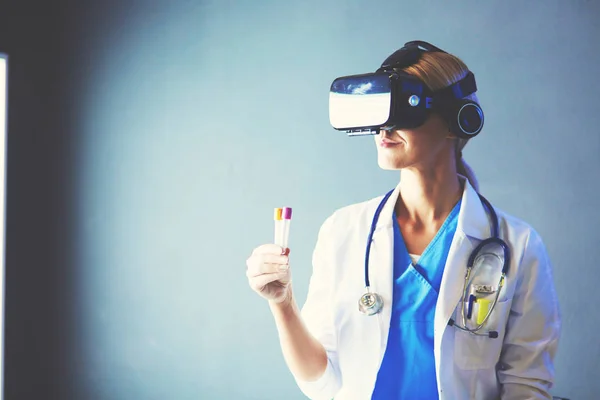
(190, 120)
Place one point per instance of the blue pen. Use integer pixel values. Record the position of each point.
(472, 298)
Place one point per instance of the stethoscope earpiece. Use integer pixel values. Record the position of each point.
(490, 334)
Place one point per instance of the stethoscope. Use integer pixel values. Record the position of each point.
(371, 303)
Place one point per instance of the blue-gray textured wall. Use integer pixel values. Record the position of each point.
(185, 122)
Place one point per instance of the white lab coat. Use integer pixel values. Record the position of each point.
(516, 365)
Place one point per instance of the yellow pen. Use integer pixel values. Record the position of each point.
(484, 307)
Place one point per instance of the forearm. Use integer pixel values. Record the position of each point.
(305, 356)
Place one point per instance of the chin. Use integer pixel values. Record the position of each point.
(389, 165)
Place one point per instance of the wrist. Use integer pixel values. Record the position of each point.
(283, 305)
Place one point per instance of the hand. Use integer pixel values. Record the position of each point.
(268, 272)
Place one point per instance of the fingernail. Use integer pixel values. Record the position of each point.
(285, 252)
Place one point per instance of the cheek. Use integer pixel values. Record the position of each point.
(425, 144)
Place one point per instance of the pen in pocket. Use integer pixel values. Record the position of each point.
(472, 299)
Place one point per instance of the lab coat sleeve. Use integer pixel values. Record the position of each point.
(526, 369)
(317, 314)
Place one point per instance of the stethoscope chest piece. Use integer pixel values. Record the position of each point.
(370, 303)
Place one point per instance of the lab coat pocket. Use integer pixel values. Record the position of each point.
(476, 351)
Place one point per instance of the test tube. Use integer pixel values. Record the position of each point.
(277, 217)
(287, 220)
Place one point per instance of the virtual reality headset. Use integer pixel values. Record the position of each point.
(390, 99)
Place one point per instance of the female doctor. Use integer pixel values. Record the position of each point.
(442, 317)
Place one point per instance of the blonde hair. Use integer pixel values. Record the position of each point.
(439, 70)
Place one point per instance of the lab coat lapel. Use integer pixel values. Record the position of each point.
(381, 264)
(473, 225)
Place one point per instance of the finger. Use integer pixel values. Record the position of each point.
(254, 262)
(269, 249)
(274, 258)
(265, 268)
(260, 281)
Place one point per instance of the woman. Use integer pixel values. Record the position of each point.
(422, 343)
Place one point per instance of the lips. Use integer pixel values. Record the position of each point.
(388, 143)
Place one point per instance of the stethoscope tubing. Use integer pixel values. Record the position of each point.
(494, 239)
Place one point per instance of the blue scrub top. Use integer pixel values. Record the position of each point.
(408, 367)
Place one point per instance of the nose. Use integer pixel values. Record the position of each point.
(386, 133)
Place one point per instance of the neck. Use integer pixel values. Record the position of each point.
(427, 197)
